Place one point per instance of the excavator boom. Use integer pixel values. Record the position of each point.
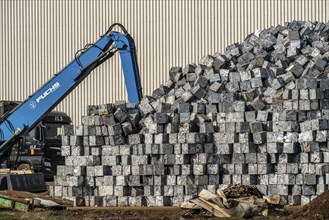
(25, 116)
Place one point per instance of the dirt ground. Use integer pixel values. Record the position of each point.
(315, 210)
(318, 209)
(130, 213)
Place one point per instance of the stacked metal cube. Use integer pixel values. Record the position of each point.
(257, 115)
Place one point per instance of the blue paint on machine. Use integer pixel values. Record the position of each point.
(27, 115)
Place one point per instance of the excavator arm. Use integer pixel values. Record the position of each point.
(25, 116)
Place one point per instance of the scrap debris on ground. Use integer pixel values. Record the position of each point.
(237, 201)
(25, 201)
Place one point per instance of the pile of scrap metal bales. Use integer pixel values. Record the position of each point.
(256, 114)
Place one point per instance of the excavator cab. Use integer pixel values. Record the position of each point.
(13, 154)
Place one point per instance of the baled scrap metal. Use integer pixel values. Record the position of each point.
(257, 114)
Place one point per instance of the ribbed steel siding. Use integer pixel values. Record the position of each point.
(38, 38)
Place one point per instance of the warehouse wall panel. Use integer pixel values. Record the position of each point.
(39, 37)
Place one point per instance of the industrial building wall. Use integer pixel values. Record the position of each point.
(39, 37)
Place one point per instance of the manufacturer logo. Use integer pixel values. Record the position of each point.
(52, 89)
(32, 105)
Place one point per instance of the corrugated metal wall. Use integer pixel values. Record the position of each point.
(39, 37)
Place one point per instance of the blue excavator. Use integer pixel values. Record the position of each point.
(24, 117)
